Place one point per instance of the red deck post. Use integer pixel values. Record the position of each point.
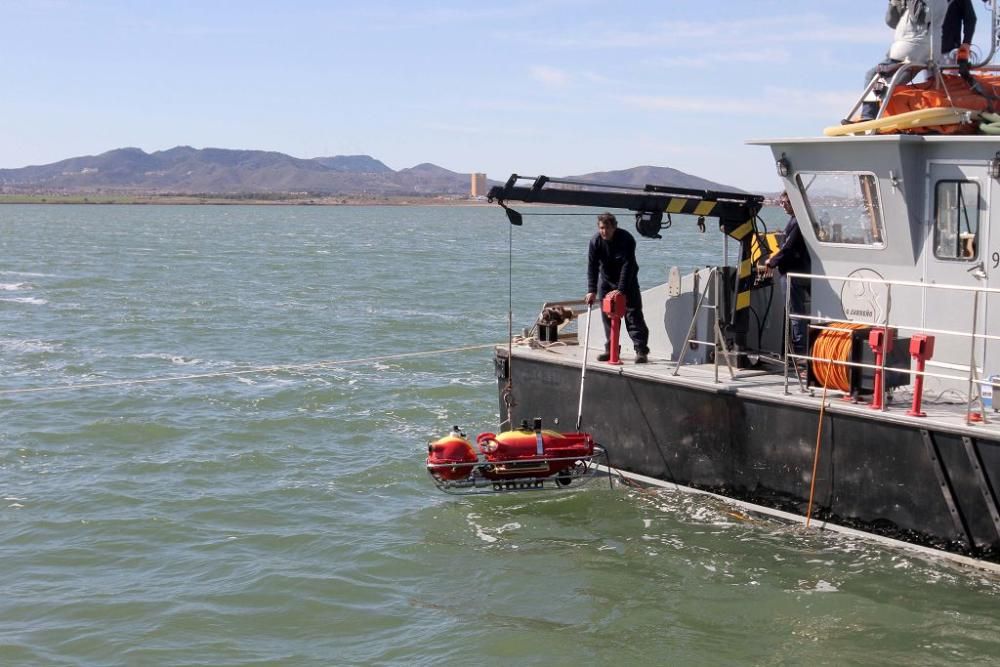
(921, 349)
(614, 307)
(881, 344)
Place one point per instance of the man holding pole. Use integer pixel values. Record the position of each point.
(612, 268)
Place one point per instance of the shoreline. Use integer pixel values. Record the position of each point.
(223, 200)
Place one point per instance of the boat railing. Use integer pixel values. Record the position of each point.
(718, 343)
(977, 334)
(905, 73)
(904, 70)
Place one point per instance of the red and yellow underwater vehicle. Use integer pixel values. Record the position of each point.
(521, 459)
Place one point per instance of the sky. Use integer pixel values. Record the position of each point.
(555, 87)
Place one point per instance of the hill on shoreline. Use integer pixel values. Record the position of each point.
(184, 170)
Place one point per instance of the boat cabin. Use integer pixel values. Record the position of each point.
(911, 214)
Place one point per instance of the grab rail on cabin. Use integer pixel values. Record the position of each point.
(876, 81)
(975, 335)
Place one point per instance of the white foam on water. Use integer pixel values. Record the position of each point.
(172, 358)
(26, 346)
(490, 535)
(14, 287)
(480, 531)
(820, 586)
(27, 273)
(29, 300)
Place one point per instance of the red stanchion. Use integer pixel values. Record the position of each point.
(921, 349)
(614, 307)
(881, 344)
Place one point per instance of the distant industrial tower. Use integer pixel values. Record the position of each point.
(478, 188)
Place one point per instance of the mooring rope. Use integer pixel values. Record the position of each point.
(245, 371)
(819, 439)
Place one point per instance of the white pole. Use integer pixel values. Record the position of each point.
(583, 369)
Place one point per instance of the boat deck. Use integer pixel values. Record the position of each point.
(767, 383)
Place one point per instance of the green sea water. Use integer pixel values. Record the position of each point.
(284, 517)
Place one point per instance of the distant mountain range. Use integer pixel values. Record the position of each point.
(186, 170)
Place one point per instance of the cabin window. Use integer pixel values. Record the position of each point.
(843, 207)
(956, 220)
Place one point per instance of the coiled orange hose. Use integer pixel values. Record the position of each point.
(832, 345)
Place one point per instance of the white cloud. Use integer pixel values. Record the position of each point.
(675, 103)
(771, 102)
(594, 77)
(550, 76)
(491, 131)
(774, 56)
(746, 35)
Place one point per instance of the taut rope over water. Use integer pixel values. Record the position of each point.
(246, 371)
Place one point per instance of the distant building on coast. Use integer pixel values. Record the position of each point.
(478, 186)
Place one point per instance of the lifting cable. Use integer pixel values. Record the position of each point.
(508, 390)
(247, 371)
(507, 395)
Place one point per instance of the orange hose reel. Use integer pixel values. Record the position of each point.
(831, 346)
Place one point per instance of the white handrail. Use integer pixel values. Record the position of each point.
(904, 327)
(971, 375)
(902, 283)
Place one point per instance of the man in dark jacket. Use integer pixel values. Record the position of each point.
(611, 268)
(793, 257)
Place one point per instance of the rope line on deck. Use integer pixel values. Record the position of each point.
(245, 371)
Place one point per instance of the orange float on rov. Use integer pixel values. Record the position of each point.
(532, 453)
(452, 457)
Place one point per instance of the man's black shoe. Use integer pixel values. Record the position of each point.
(641, 358)
(604, 356)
